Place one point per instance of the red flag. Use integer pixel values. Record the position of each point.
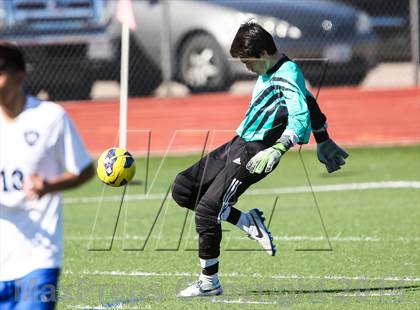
(125, 14)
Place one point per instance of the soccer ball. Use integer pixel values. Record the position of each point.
(116, 167)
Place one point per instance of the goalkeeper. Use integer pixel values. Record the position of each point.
(279, 116)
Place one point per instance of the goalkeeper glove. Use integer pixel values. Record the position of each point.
(266, 159)
(331, 155)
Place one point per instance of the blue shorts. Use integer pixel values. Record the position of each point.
(37, 290)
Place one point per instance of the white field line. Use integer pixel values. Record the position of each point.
(396, 292)
(267, 191)
(100, 307)
(86, 307)
(248, 302)
(277, 238)
(241, 301)
(240, 275)
(260, 302)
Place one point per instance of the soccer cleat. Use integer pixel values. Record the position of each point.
(259, 232)
(200, 289)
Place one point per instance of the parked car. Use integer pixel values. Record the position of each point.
(61, 40)
(70, 44)
(200, 34)
(391, 21)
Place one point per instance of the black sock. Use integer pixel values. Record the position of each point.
(208, 271)
(234, 216)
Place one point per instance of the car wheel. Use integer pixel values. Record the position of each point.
(203, 65)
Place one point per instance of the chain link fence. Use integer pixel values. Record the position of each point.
(72, 44)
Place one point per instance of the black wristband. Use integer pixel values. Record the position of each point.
(321, 136)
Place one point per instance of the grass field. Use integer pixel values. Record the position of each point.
(369, 257)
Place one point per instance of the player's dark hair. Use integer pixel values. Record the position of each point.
(11, 57)
(251, 40)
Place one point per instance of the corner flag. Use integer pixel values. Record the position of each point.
(125, 14)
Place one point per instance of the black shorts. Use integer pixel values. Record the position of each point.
(212, 185)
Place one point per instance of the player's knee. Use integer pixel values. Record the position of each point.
(182, 192)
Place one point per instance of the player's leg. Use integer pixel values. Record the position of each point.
(37, 290)
(189, 187)
(214, 206)
(209, 230)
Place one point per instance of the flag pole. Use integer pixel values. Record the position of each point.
(125, 15)
(125, 48)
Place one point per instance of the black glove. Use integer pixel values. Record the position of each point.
(331, 155)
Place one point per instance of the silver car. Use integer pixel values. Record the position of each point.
(70, 44)
(195, 38)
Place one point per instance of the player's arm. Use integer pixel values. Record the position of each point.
(328, 152)
(318, 119)
(36, 186)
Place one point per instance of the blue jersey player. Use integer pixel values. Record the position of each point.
(41, 154)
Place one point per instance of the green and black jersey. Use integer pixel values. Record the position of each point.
(278, 106)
